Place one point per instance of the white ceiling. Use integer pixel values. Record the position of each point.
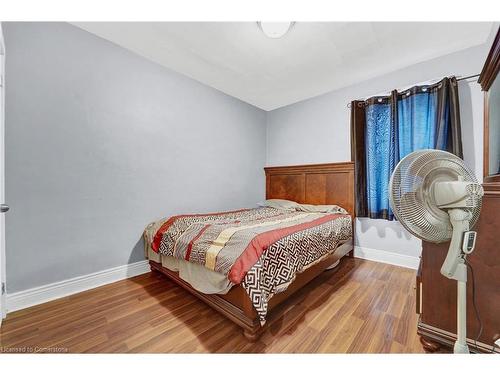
(313, 58)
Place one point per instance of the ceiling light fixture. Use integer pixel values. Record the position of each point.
(275, 29)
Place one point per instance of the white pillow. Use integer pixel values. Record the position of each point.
(281, 204)
(324, 208)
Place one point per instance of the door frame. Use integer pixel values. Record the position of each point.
(3, 288)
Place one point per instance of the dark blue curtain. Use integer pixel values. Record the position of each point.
(423, 117)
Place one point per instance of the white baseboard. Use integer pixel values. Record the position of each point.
(386, 257)
(45, 293)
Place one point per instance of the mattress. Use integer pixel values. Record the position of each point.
(211, 282)
(199, 277)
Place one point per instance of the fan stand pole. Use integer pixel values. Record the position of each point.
(454, 268)
(461, 343)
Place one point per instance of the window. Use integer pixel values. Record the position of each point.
(386, 129)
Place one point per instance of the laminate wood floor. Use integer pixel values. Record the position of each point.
(360, 307)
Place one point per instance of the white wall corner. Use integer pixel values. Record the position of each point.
(389, 257)
(49, 292)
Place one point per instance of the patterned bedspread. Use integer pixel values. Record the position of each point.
(262, 248)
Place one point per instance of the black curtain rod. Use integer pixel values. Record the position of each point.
(472, 76)
(458, 79)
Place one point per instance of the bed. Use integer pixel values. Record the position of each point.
(281, 250)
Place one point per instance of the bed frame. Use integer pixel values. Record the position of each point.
(331, 183)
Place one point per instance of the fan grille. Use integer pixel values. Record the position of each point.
(411, 193)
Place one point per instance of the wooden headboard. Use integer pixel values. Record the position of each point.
(331, 183)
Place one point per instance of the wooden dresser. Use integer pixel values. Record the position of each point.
(437, 295)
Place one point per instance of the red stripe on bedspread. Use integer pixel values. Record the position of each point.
(190, 245)
(167, 224)
(262, 241)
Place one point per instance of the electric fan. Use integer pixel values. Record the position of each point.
(437, 198)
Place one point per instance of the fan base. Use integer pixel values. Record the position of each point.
(460, 348)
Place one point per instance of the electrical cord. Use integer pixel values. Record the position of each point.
(475, 306)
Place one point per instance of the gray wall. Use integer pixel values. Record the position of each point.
(99, 142)
(318, 131)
